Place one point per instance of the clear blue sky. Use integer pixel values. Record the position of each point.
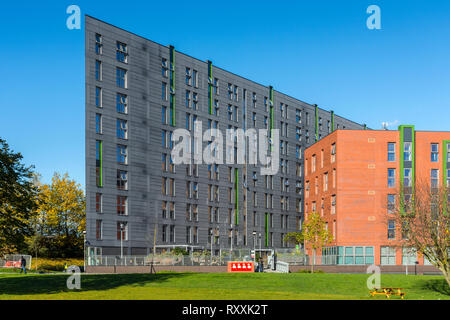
(318, 51)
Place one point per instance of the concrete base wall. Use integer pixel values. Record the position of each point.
(363, 269)
(146, 269)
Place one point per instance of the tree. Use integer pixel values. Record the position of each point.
(61, 218)
(422, 214)
(17, 200)
(294, 238)
(316, 234)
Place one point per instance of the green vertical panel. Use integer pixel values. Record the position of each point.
(271, 108)
(316, 122)
(210, 81)
(266, 227)
(236, 171)
(413, 155)
(444, 168)
(101, 162)
(332, 121)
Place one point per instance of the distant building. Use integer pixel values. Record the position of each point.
(351, 178)
(137, 93)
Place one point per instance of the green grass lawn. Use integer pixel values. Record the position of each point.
(223, 286)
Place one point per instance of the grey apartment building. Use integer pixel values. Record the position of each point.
(137, 93)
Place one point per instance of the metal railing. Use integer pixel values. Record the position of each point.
(171, 259)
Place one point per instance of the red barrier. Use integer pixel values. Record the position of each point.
(12, 264)
(240, 266)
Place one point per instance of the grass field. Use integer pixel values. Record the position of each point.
(223, 286)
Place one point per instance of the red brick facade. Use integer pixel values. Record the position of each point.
(358, 179)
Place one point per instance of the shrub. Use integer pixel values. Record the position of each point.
(309, 271)
(44, 264)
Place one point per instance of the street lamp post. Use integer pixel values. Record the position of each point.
(121, 241)
(254, 247)
(212, 239)
(84, 251)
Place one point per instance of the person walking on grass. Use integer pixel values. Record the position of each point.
(23, 265)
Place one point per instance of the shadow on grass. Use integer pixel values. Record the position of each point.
(438, 285)
(51, 284)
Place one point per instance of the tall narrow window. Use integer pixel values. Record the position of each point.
(98, 43)
(121, 52)
(407, 180)
(122, 230)
(121, 78)
(391, 178)
(121, 100)
(407, 151)
(122, 129)
(98, 203)
(122, 205)
(391, 151)
(98, 97)
(434, 178)
(98, 70)
(434, 152)
(98, 123)
(391, 229)
(391, 203)
(122, 154)
(164, 91)
(122, 180)
(98, 229)
(98, 163)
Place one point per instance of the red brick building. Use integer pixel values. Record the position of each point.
(351, 178)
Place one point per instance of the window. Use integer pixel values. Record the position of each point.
(121, 100)
(409, 256)
(391, 151)
(164, 233)
(121, 77)
(387, 256)
(434, 178)
(448, 178)
(391, 229)
(298, 116)
(407, 151)
(98, 97)
(164, 68)
(163, 115)
(434, 152)
(195, 78)
(188, 76)
(122, 205)
(333, 152)
(98, 163)
(325, 181)
(164, 91)
(121, 52)
(99, 230)
(188, 235)
(194, 101)
(164, 209)
(122, 154)
(391, 203)
(98, 123)
(98, 203)
(333, 204)
(122, 230)
(98, 70)
(313, 163)
(391, 178)
(448, 152)
(98, 43)
(216, 86)
(122, 129)
(407, 179)
(122, 180)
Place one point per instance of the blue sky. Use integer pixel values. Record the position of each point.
(317, 51)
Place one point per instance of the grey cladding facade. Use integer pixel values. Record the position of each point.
(130, 182)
